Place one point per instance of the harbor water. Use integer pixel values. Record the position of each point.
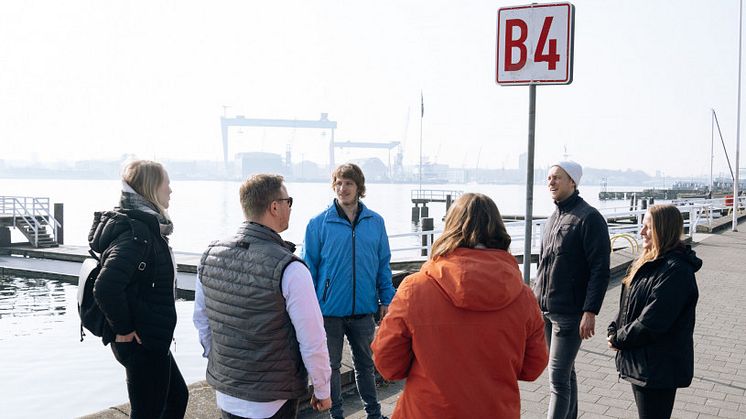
(204, 211)
(48, 372)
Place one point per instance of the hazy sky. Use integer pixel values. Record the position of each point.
(96, 79)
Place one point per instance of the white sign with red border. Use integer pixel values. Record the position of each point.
(534, 44)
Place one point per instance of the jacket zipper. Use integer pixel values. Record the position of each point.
(553, 237)
(326, 289)
(354, 277)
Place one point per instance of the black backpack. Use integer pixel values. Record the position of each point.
(91, 316)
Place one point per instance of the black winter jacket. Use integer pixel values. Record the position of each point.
(134, 296)
(654, 327)
(573, 271)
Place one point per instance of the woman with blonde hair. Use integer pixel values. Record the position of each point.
(464, 329)
(135, 290)
(653, 331)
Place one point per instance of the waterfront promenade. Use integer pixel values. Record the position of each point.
(719, 385)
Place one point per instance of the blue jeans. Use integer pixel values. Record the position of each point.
(563, 337)
(359, 331)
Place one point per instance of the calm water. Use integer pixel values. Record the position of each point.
(203, 211)
(47, 372)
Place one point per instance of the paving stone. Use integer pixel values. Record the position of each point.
(684, 414)
(700, 408)
(615, 412)
(620, 403)
(733, 414)
(721, 404)
(735, 399)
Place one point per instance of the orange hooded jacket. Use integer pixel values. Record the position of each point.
(462, 331)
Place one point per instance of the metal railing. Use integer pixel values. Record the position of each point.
(408, 246)
(434, 195)
(32, 211)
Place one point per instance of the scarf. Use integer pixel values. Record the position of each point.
(130, 199)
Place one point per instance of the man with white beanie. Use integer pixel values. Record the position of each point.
(571, 281)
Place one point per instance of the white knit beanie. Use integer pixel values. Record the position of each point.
(574, 170)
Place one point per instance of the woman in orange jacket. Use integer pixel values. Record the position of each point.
(464, 329)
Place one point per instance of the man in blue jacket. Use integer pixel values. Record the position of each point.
(347, 250)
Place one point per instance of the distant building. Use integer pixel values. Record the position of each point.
(258, 162)
(375, 170)
(309, 171)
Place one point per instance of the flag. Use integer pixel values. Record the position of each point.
(422, 105)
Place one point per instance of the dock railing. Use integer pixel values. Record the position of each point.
(434, 195)
(621, 221)
(32, 211)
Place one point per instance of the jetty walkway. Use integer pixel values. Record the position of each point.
(717, 391)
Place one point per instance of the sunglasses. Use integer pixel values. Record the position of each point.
(289, 199)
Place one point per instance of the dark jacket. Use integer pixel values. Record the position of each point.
(654, 327)
(573, 271)
(134, 297)
(254, 353)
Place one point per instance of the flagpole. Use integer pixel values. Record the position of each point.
(422, 115)
(738, 123)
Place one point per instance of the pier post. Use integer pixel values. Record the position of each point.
(59, 215)
(415, 214)
(427, 239)
(449, 201)
(4, 237)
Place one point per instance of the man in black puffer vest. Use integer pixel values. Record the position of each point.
(257, 314)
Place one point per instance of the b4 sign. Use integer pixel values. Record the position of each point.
(534, 44)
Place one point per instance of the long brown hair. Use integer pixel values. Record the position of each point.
(473, 219)
(667, 227)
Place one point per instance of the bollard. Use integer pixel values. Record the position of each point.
(415, 214)
(4, 237)
(427, 239)
(59, 215)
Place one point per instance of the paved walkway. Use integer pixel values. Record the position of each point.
(719, 386)
(717, 391)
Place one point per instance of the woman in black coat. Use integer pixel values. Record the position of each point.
(653, 331)
(136, 290)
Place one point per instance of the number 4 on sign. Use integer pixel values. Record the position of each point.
(551, 57)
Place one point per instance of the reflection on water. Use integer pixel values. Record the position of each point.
(30, 306)
(40, 349)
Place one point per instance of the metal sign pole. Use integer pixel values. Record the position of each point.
(529, 184)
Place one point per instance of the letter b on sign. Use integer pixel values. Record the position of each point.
(534, 44)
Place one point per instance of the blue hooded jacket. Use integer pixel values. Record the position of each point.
(350, 264)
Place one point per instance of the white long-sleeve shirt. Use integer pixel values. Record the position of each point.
(304, 312)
